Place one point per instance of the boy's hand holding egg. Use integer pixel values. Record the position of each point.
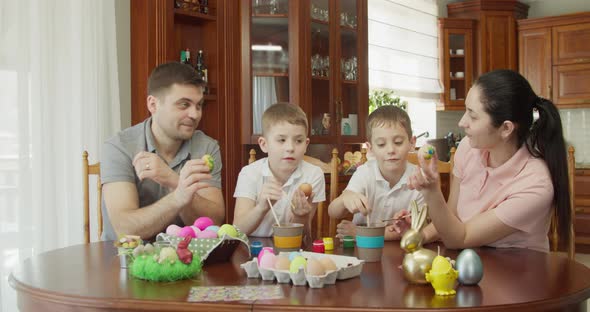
(302, 199)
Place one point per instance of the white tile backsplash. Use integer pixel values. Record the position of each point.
(575, 122)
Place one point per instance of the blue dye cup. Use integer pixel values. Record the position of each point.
(255, 248)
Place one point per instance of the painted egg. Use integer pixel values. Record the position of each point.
(297, 263)
(203, 222)
(173, 229)
(212, 228)
(227, 229)
(209, 161)
(470, 267)
(263, 251)
(187, 230)
(328, 264)
(207, 234)
(196, 229)
(282, 263)
(268, 260)
(293, 254)
(427, 151)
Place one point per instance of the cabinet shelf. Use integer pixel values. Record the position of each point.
(350, 82)
(457, 55)
(193, 16)
(270, 15)
(320, 78)
(457, 79)
(313, 20)
(348, 28)
(270, 74)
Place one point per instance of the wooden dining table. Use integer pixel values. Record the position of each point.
(89, 278)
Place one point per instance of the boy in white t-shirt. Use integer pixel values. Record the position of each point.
(379, 187)
(278, 176)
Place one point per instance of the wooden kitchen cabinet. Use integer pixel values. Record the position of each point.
(495, 31)
(554, 55)
(311, 53)
(456, 59)
(487, 29)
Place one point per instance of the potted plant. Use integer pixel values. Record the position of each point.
(378, 98)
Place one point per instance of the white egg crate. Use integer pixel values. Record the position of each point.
(348, 267)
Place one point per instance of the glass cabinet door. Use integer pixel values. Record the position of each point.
(456, 53)
(323, 121)
(347, 104)
(334, 52)
(269, 44)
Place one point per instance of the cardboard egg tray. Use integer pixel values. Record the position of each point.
(348, 267)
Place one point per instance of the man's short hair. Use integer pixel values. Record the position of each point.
(388, 115)
(168, 74)
(283, 112)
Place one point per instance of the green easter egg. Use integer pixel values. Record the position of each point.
(227, 229)
(209, 161)
(298, 262)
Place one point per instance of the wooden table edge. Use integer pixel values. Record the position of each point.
(58, 299)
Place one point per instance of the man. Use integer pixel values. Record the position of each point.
(152, 173)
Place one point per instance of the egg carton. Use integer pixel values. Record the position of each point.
(348, 267)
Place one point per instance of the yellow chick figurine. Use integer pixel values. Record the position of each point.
(442, 276)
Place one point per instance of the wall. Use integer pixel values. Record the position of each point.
(576, 122)
(123, 19)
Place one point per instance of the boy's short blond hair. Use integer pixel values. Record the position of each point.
(283, 112)
(388, 115)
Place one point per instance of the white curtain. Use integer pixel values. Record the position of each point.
(58, 96)
(264, 94)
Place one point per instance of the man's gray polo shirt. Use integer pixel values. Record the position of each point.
(116, 165)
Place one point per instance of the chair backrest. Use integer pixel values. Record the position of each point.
(570, 245)
(93, 169)
(330, 168)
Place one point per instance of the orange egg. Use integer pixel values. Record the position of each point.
(305, 188)
(282, 263)
(328, 264)
(315, 268)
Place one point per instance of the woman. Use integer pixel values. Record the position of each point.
(510, 170)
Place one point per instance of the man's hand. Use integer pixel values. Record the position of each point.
(191, 178)
(150, 166)
(345, 228)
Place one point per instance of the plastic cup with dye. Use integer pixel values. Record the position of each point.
(287, 237)
(370, 240)
(318, 246)
(328, 243)
(255, 248)
(348, 242)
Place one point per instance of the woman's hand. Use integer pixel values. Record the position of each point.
(426, 176)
